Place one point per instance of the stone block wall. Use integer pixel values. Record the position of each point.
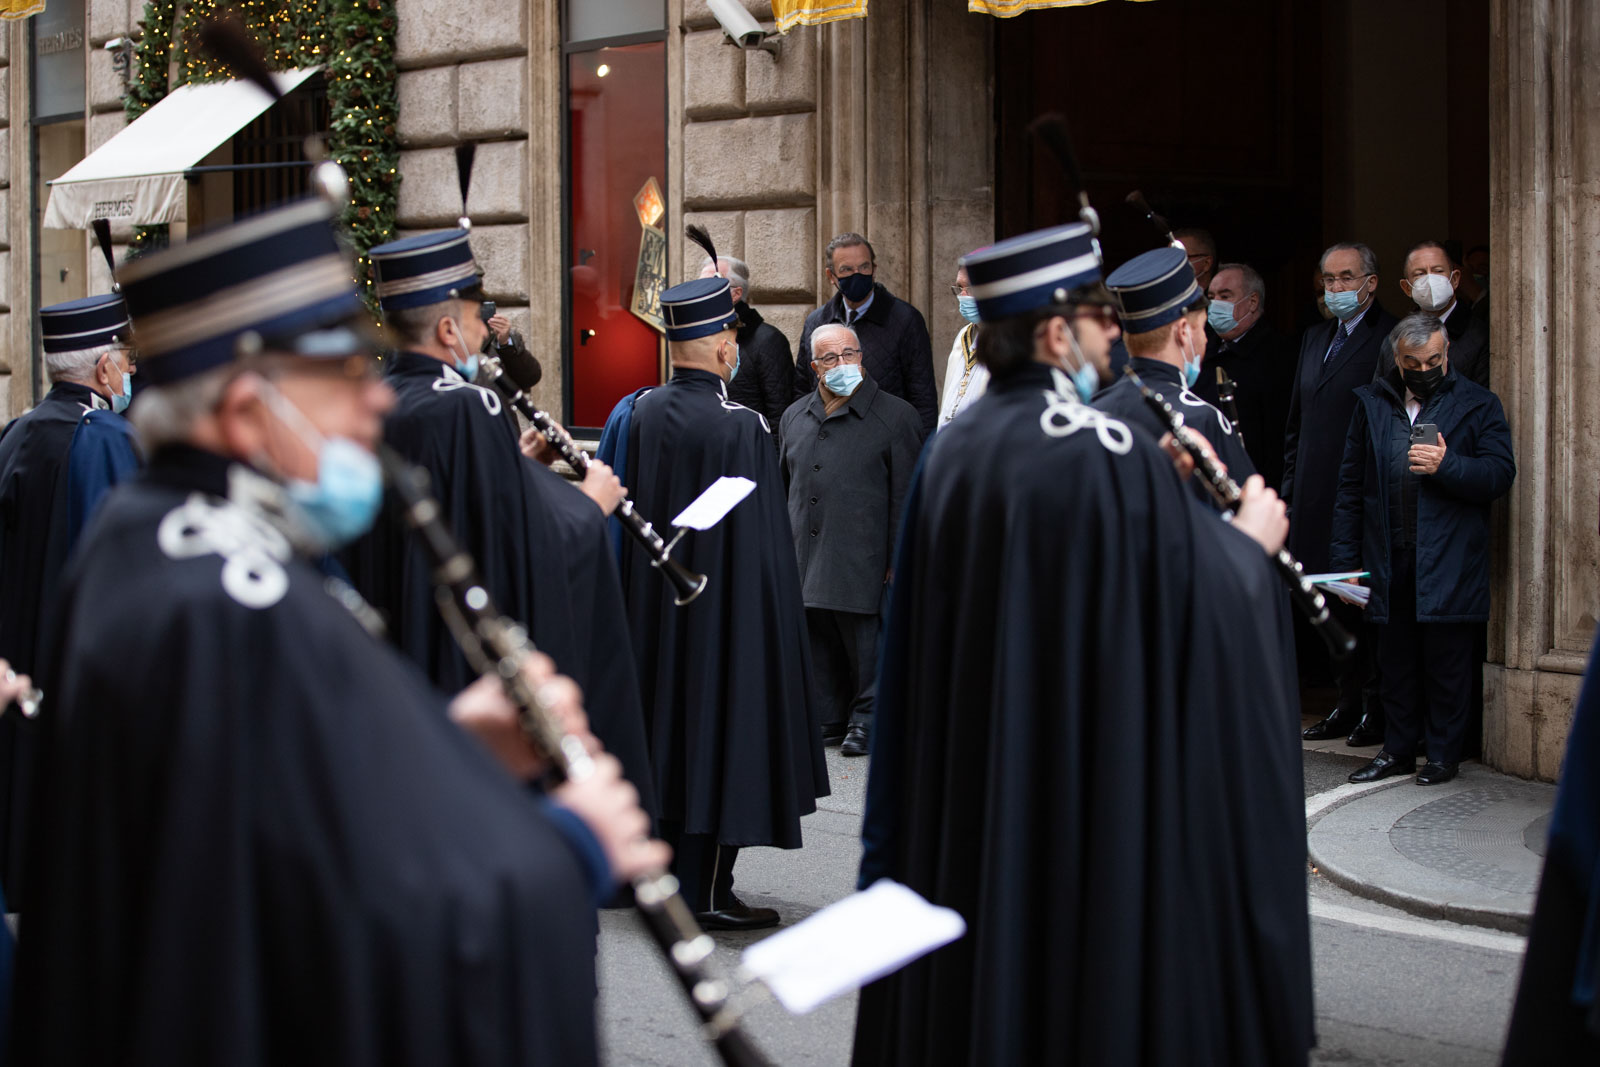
(746, 161)
(470, 73)
(14, 276)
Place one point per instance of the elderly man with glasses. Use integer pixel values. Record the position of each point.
(848, 451)
(896, 349)
(1337, 357)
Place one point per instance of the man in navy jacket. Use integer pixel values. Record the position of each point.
(1416, 515)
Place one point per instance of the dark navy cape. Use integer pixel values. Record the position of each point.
(56, 462)
(539, 543)
(1056, 756)
(1557, 1015)
(263, 841)
(734, 738)
(1122, 399)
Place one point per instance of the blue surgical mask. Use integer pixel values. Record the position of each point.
(468, 368)
(120, 401)
(1220, 314)
(969, 308)
(1087, 381)
(343, 502)
(1343, 305)
(1191, 373)
(738, 357)
(843, 379)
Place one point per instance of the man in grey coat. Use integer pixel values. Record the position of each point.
(848, 449)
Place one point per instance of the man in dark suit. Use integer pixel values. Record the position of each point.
(1260, 361)
(1337, 357)
(896, 350)
(1433, 282)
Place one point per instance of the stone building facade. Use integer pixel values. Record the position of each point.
(888, 126)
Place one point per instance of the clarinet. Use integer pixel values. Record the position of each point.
(28, 702)
(1226, 492)
(684, 582)
(495, 644)
(1225, 393)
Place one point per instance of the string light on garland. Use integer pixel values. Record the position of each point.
(352, 40)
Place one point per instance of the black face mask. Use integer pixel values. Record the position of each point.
(1423, 383)
(855, 287)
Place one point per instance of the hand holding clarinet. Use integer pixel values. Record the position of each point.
(1258, 510)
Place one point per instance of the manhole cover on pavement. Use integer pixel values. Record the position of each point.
(1479, 835)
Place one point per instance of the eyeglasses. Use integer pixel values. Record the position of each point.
(830, 360)
(847, 270)
(959, 290)
(1104, 314)
(1346, 279)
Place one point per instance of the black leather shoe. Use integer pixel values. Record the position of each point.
(737, 915)
(1340, 722)
(855, 740)
(833, 733)
(1369, 731)
(1383, 766)
(1436, 773)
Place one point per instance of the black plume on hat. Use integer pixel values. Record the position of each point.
(465, 154)
(227, 38)
(102, 234)
(1051, 129)
(702, 237)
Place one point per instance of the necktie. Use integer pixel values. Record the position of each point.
(1338, 342)
(851, 316)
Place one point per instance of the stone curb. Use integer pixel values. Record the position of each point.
(1347, 875)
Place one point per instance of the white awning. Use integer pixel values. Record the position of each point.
(137, 177)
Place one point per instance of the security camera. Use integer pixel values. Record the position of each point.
(117, 43)
(741, 28)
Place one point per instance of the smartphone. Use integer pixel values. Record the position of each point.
(486, 311)
(1425, 433)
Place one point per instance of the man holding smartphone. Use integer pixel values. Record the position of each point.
(1428, 451)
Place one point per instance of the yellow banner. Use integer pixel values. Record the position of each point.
(791, 13)
(20, 9)
(1009, 8)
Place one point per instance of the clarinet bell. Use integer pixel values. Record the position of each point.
(685, 582)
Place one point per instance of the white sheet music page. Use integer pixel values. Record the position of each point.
(846, 945)
(710, 506)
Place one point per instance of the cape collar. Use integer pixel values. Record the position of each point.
(196, 470)
(420, 365)
(1031, 375)
(77, 393)
(1155, 370)
(698, 379)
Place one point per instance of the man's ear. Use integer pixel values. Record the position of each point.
(239, 416)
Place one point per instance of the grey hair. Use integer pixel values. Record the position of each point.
(848, 239)
(167, 414)
(1251, 279)
(1369, 258)
(831, 329)
(1415, 330)
(738, 272)
(77, 365)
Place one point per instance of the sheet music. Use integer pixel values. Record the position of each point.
(710, 506)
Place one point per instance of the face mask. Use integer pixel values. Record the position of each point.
(467, 365)
(843, 379)
(1220, 315)
(120, 401)
(737, 359)
(969, 308)
(1085, 379)
(1191, 366)
(856, 287)
(1343, 305)
(343, 502)
(1423, 383)
(1432, 292)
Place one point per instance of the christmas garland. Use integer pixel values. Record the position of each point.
(353, 40)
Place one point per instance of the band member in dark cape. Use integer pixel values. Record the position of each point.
(1167, 357)
(1060, 731)
(735, 743)
(1557, 1015)
(539, 543)
(266, 841)
(56, 463)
